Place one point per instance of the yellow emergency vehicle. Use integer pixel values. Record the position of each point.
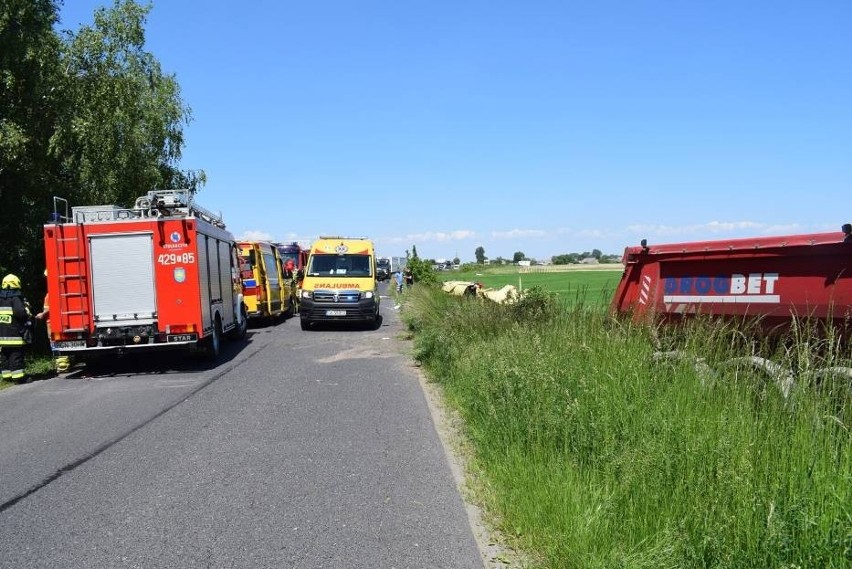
(266, 292)
(340, 282)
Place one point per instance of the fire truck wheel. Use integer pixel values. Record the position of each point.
(214, 343)
(239, 331)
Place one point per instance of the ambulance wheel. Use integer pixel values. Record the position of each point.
(214, 342)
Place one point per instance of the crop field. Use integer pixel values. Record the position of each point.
(593, 287)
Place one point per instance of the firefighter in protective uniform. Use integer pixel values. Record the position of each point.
(14, 323)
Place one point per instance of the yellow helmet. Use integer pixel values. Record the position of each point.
(11, 281)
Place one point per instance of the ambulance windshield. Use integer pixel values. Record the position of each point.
(339, 266)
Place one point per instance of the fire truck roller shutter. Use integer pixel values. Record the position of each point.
(123, 278)
(213, 266)
(204, 282)
(227, 291)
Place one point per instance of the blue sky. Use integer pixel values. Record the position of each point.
(545, 127)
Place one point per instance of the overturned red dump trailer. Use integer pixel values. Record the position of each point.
(773, 279)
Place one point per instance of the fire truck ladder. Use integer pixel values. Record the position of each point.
(73, 275)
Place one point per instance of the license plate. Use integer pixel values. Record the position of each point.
(181, 338)
(335, 313)
(71, 344)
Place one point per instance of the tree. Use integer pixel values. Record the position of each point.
(29, 66)
(596, 253)
(518, 256)
(121, 130)
(421, 269)
(456, 261)
(480, 255)
(88, 116)
(565, 259)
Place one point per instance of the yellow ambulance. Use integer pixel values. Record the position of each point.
(340, 283)
(266, 291)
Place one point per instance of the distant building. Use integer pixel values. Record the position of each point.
(589, 261)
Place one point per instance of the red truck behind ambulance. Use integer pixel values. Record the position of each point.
(161, 275)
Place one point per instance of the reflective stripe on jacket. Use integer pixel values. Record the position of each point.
(13, 317)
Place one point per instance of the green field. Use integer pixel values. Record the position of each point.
(592, 286)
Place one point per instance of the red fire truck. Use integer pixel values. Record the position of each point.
(161, 275)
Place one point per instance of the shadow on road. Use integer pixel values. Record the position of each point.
(344, 325)
(157, 363)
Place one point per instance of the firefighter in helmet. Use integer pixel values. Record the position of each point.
(15, 328)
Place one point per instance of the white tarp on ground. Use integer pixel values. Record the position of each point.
(506, 294)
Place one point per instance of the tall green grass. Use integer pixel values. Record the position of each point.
(594, 453)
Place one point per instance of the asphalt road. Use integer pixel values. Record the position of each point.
(299, 449)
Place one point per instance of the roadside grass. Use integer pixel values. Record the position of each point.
(593, 453)
(36, 366)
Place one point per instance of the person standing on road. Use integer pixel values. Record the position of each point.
(409, 277)
(62, 363)
(15, 326)
(289, 267)
(290, 274)
(397, 277)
